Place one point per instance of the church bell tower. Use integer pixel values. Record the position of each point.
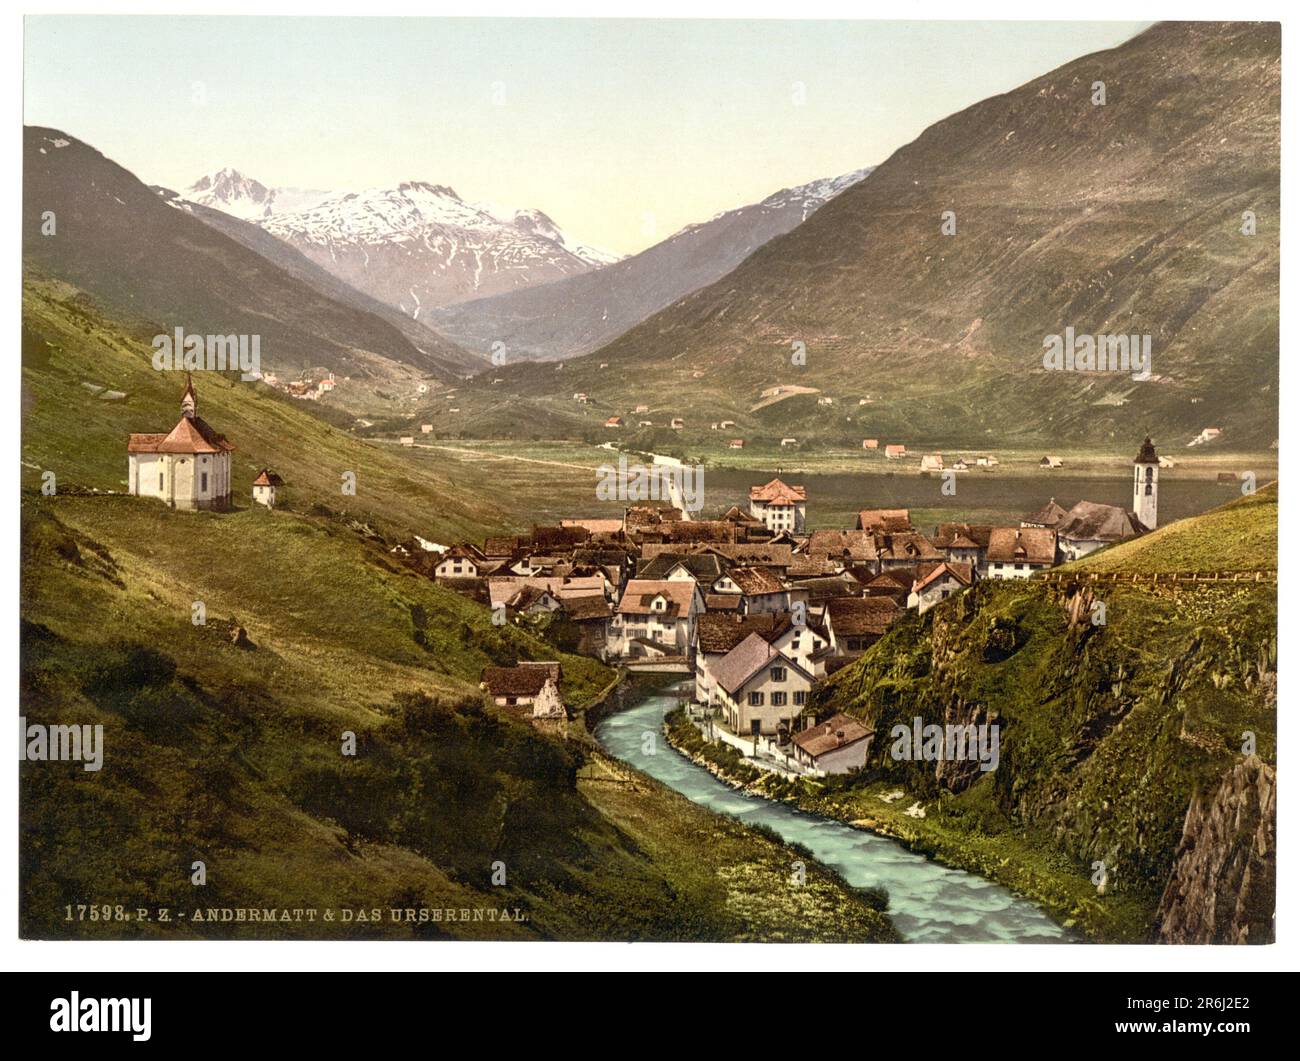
(1146, 475)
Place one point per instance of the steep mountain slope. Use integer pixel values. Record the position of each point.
(419, 245)
(1123, 217)
(232, 193)
(576, 315)
(281, 254)
(119, 241)
(1145, 743)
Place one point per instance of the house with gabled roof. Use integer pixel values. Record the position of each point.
(836, 746)
(187, 467)
(461, 561)
(761, 589)
(884, 520)
(779, 506)
(1017, 552)
(906, 549)
(264, 487)
(942, 581)
(964, 543)
(655, 613)
(854, 624)
(895, 452)
(760, 690)
(1089, 526)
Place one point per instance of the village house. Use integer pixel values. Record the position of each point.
(614, 421)
(1051, 462)
(854, 624)
(530, 685)
(460, 562)
(1049, 516)
(906, 549)
(655, 617)
(895, 452)
(964, 543)
(932, 462)
(855, 548)
(677, 423)
(825, 401)
(884, 520)
(590, 617)
(760, 589)
(426, 429)
(759, 689)
(736, 443)
(187, 467)
(641, 409)
(871, 443)
(264, 488)
(725, 424)
(836, 746)
(1017, 552)
(786, 443)
(779, 506)
(1090, 526)
(943, 581)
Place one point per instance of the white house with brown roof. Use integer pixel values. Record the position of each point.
(655, 614)
(1089, 526)
(759, 689)
(1017, 552)
(760, 589)
(836, 746)
(264, 488)
(187, 467)
(854, 624)
(460, 561)
(780, 507)
(941, 582)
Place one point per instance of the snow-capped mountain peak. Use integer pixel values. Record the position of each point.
(232, 193)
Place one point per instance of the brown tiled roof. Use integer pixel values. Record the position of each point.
(861, 615)
(723, 602)
(856, 545)
(1034, 545)
(190, 435)
(755, 581)
(595, 526)
(1090, 521)
(778, 493)
(887, 520)
(515, 681)
(837, 732)
(268, 478)
(722, 632)
(705, 567)
(912, 546)
(584, 609)
(639, 593)
(962, 535)
(736, 515)
(1048, 516)
(961, 572)
(501, 546)
(803, 566)
(739, 665)
(820, 589)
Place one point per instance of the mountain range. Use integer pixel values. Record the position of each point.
(1130, 215)
(91, 223)
(580, 313)
(417, 246)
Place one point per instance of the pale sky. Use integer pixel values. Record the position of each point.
(622, 131)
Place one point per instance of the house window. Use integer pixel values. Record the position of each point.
(755, 699)
(1148, 489)
(778, 674)
(800, 698)
(203, 483)
(778, 699)
(160, 480)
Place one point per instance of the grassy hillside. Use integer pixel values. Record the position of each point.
(68, 342)
(224, 741)
(1117, 218)
(1108, 732)
(1239, 536)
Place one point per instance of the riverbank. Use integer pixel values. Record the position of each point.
(1014, 862)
